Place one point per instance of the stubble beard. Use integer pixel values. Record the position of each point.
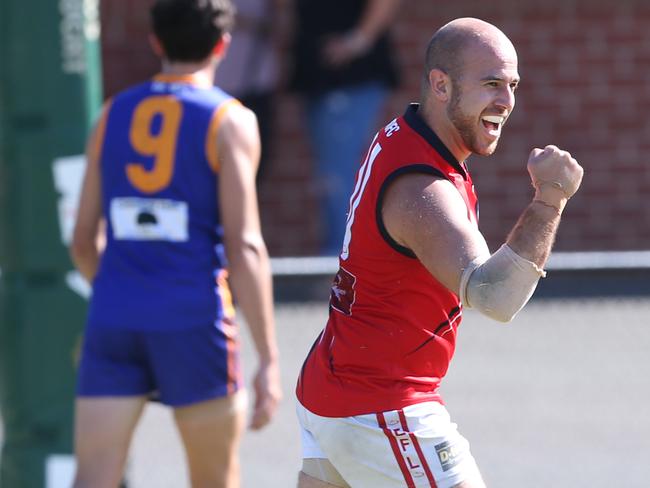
(466, 125)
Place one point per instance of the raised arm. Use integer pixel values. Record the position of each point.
(238, 147)
(427, 215)
(556, 176)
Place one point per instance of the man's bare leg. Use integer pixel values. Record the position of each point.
(103, 430)
(319, 473)
(211, 432)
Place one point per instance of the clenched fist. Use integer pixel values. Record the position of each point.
(555, 175)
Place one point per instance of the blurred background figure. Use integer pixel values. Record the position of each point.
(249, 71)
(343, 67)
(171, 169)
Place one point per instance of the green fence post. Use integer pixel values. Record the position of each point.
(50, 91)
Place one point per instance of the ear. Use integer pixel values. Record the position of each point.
(440, 85)
(221, 47)
(156, 46)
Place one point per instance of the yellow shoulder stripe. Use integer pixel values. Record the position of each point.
(211, 137)
(100, 131)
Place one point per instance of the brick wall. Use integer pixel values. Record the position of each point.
(585, 67)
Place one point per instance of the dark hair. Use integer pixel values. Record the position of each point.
(189, 29)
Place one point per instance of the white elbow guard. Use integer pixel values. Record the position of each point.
(500, 285)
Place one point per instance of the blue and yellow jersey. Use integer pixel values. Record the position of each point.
(164, 264)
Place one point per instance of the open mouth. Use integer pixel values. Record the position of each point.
(493, 123)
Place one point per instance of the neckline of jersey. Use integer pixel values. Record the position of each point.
(418, 124)
(190, 79)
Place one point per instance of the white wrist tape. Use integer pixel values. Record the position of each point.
(499, 285)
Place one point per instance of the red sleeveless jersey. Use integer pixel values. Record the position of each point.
(392, 326)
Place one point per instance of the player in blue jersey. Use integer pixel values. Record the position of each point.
(171, 172)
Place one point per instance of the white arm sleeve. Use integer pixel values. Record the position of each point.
(499, 285)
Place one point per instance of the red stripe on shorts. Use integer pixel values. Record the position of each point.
(418, 449)
(398, 455)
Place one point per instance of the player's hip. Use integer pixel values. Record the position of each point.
(417, 446)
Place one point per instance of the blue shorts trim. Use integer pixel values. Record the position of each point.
(177, 368)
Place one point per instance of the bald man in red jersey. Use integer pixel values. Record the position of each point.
(369, 406)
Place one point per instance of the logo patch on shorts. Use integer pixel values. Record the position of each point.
(449, 455)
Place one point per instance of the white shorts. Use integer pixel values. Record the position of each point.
(417, 446)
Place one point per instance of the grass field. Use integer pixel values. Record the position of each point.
(558, 398)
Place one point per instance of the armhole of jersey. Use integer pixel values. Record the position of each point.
(100, 132)
(414, 168)
(211, 152)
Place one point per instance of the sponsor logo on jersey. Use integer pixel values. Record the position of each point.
(449, 455)
(391, 128)
(342, 295)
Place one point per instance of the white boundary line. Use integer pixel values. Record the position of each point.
(559, 261)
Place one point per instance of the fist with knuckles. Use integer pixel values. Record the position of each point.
(555, 175)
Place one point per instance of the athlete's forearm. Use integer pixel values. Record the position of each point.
(556, 176)
(502, 284)
(86, 260)
(534, 234)
(250, 277)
